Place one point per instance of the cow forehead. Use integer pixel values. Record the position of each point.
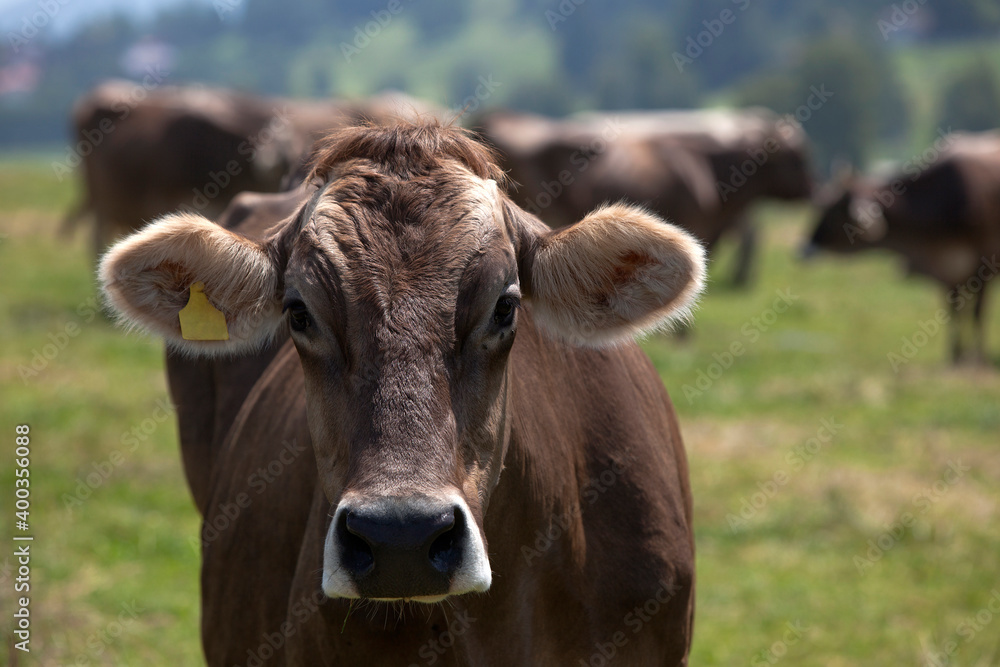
(399, 243)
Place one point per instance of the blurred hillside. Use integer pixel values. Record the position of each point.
(867, 80)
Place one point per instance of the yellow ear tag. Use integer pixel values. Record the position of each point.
(200, 320)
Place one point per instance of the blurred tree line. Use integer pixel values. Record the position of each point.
(554, 57)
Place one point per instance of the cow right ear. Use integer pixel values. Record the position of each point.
(147, 279)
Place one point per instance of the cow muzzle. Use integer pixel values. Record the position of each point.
(404, 548)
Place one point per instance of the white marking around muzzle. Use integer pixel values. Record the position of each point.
(474, 574)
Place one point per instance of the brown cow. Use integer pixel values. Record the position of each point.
(146, 153)
(208, 393)
(700, 169)
(314, 119)
(943, 218)
(482, 431)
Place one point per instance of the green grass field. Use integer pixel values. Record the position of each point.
(846, 513)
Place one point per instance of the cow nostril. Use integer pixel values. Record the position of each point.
(356, 554)
(445, 553)
(442, 551)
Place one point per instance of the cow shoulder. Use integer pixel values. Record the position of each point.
(598, 436)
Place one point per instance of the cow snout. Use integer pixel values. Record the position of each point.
(416, 543)
(401, 549)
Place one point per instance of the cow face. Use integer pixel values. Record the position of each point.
(849, 221)
(403, 282)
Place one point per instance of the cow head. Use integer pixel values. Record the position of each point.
(403, 280)
(851, 219)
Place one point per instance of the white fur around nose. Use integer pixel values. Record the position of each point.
(473, 575)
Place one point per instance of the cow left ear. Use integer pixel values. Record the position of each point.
(151, 276)
(618, 273)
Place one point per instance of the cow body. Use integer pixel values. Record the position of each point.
(700, 169)
(944, 220)
(207, 394)
(151, 153)
(565, 168)
(146, 153)
(581, 534)
(426, 424)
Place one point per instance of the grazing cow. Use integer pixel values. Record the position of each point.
(459, 416)
(700, 169)
(943, 219)
(148, 153)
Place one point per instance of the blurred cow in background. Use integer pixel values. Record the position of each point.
(942, 217)
(701, 169)
(145, 153)
(312, 120)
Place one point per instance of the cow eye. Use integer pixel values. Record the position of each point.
(503, 313)
(298, 315)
